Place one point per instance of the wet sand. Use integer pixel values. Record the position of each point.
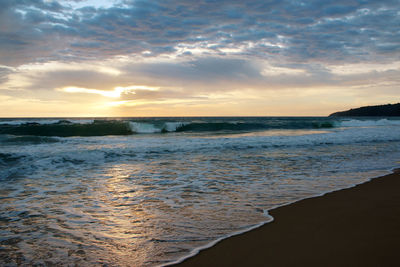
(358, 226)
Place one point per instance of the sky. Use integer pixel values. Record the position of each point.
(85, 58)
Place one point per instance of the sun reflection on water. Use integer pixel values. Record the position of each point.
(145, 201)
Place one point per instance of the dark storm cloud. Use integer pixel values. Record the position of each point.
(297, 31)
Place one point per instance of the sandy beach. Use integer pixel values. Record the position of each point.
(358, 226)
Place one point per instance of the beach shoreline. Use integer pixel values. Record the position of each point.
(355, 226)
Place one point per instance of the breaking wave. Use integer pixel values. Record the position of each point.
(85, 127)
(369, 123)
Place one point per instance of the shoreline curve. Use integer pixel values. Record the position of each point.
(230, 251)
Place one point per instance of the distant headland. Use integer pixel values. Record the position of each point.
(392, 110)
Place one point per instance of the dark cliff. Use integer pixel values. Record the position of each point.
(370, 111)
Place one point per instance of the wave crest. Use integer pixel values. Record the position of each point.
(67, 128)
(369, 123)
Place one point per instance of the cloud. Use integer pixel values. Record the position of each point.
(194, 77)
(4, 72)
(293, 30)
(196, 50)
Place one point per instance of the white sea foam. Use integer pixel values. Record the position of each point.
(369, 123)
(178, 192)
(141, 127)
(82, 121)
(145, 127)
(173, 126)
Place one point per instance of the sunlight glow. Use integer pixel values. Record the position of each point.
(117, 92)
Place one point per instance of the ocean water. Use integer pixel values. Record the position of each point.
(151, 191)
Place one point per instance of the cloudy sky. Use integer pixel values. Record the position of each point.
(188, 58)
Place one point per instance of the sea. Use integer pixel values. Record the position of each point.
(154, 191)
